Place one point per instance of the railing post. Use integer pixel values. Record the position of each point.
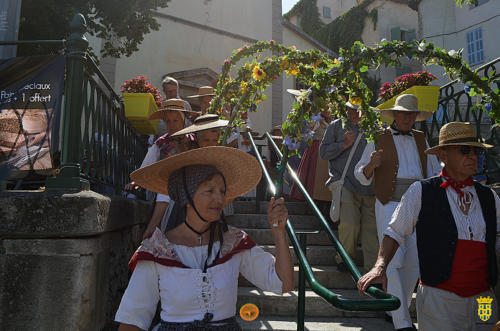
(301, 305)
(68, 176)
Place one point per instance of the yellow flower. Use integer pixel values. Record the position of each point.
(258, 73)
(293, 70)
(355, 101)
(284, 63)
(336, 61)
(243, 86)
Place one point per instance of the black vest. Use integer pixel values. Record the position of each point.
(437, 232)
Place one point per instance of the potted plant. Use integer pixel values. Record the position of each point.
(412, 83)
(141, 99)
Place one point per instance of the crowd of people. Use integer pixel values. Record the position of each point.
(416, 220)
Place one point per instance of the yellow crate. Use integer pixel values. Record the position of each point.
(139, 105)
(427, 98)
(145, 126)
(138, 108)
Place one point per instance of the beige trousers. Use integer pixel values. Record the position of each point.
(357, 217)
(445, 311)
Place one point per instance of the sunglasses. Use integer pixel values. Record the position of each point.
(465, 150)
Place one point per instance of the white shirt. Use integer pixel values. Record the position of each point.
(405, 216)
(153, 155)
(186, 294)
(408, 160)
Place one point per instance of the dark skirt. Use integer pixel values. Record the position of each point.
(228, 324)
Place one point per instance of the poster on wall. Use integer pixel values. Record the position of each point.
(31, 91)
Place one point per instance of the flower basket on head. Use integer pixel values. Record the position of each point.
(141, 99)
(412, 83)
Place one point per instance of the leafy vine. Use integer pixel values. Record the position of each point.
(333, 81)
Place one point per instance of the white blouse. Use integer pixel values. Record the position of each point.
(405, 216)
(186, 294)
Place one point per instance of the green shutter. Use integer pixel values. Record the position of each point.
(395, 33)
(412, 35)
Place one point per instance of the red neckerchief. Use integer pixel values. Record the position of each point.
(457, 186)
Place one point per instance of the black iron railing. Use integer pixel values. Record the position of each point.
(98, 147)
(455, 104)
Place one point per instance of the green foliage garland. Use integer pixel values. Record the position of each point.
(331, 81)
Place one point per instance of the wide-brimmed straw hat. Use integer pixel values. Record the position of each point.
(169, 105)
(409, 103)
(351, 105)
(241, 170)
(203, 122)
(295, 92)
(204, 91)
(457, 134)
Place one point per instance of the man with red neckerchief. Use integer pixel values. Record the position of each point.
(456, 221)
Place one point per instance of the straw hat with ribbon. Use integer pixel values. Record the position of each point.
(169, 105)
(241, 170)
(203, 122)
(408, 103)
(204, 91)
(457, 134)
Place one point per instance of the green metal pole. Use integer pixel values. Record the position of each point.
(301, 305)
(68, 176)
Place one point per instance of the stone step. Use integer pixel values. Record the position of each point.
(318, 255)
(259, 221)
(285, 323)
(265, 237)
(250, 207)
(328, 276)
(271, 304)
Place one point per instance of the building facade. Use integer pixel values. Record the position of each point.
(471, 28)
(196, 36)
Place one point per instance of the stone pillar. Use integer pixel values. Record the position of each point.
(277, 86)
(63, 258)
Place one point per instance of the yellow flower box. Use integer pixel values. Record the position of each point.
(138, 108)
(427, 98)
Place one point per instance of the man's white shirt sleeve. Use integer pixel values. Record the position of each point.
(405, 217)
(362, 163)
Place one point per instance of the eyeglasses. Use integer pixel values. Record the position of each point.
(465, 150)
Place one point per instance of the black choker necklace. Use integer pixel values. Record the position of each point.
(197, 232)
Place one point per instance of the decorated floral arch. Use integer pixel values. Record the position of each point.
(332, 81)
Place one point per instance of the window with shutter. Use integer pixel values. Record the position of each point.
(475, 46)
(396, 33)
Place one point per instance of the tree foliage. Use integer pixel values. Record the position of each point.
(121, 23)
(465, 2)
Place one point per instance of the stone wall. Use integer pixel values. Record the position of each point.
(63, 258)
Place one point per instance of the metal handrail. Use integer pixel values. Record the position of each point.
(383, 301)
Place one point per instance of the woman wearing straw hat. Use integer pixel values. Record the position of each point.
(173, 113)
(399, 161)
(193, 268)
(456, 220)
(206, 129)
(205, 95)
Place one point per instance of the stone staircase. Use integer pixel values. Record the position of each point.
(280, 312)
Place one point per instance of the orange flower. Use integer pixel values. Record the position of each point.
(258, 73)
